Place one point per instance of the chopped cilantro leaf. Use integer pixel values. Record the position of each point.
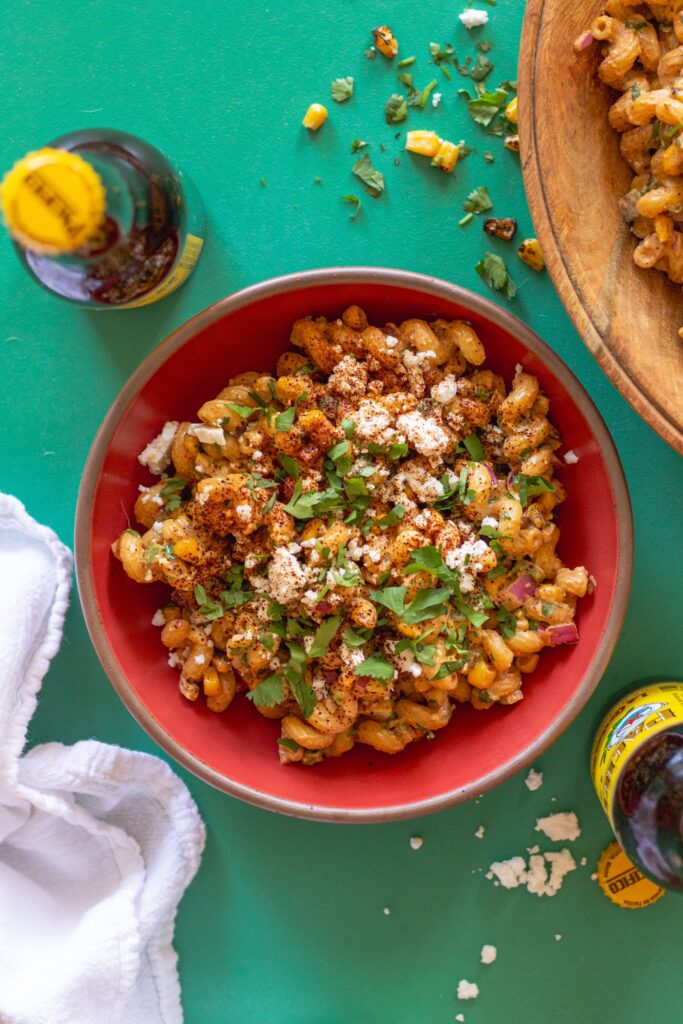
(349, 428)
(290, 744)
(371, 178)
(358, 144)
(484, 108)
(494, 273)
(285, 420)
(474, 447)
(342, 89)
(392, 518)
(376, 666)
(243, 411)
(269, 692)
(324, 635)
(478, 200)
(206, 607)
(351, 198)
(290, 465)
(396, 109)
(481, 68)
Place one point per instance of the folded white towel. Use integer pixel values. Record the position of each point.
(97, 844)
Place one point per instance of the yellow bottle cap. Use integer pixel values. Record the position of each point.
(53, 201)
(623, 882)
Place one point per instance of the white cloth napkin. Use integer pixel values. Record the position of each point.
(97, 844)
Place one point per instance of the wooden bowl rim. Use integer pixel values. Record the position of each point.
(531, 107)
(329, 276)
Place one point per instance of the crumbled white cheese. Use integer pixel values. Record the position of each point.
(510, 873)
(158, 618)
(203, 497)
(175, 658)
(515, 872)
(425, 486)
(415, 671)
(354, 550)
(199, 659)
(467, 559)
(467, 989)
(314, 558)
(373, 554)
(557, 938)
(386, 911)
(472, 18)
(533, 849)
(480, 832)
(445, 391)
(308, 643)
(391, 341)
(157, 526)
(198, 469)
(349, 377)
(460, 1017)
(373, 423)
(415, 842)
(436, 99)
(243, 511)
(490, 521)
(534, 780)
(571, 457)
(286, 578)
(257, 455)
(583, 862)
(518, 368)
(157, 454)
(559, 827)
(351, 657)
(425, 435)
(207, 435)
(488, 954)
(594, 877)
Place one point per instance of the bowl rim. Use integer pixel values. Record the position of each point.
(350, 275)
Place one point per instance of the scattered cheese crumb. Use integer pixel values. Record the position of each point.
(446, 390)
(386, 911)
(391, 341)
(488, 954)
(460, 1017)
(243, 511)
(286, 577)
(559, 827)
(467, 989)
(583, 862)
(571, 457)
(534, 780)
(533, 849)
(157, 454)
(515, 872)
(519, 368)
(594, 877)
(207, 435)
(199, 659)
(473, 18)
(416, 842)
(557, 938)
(436, 99)
(423, 434)
(158, 618)
(480, 832)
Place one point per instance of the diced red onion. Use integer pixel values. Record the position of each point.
(330, 677)
(509, 480)
(324, 607)
(489, 470)
(563, 633)
(584, 41)
(521, 588)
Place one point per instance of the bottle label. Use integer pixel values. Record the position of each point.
(181, 271)
(623, 882)
(641, 715)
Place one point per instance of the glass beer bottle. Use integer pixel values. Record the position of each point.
(102, 218)
(637, 769)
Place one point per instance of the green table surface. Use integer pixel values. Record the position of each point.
(284, 923)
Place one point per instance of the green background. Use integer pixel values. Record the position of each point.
(284, 923)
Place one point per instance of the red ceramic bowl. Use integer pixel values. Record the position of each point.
(236, 751)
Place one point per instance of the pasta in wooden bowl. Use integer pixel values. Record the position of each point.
(576, 173)
(365, 538)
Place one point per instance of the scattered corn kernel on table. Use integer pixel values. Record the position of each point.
(286, 921)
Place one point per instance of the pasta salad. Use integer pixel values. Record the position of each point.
(362, 541)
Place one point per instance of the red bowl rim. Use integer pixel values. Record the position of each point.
(292, 282)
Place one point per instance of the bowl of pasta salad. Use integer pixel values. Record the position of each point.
(353, 544)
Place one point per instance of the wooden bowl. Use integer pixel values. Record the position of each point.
(237, 751)
(574, 175)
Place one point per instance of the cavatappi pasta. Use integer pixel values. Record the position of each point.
(642, 58)
(362, 541)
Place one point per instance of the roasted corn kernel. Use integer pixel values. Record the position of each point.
(530, 253)
(423, 143)
(315, 116)
(501, 227)
(446, 156)
(512, 142)
(385, 41)
(511, 111)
